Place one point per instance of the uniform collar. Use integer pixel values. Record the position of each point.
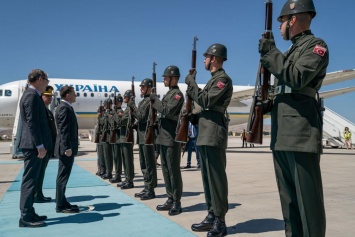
(218, 70)
(173, 87)
(298, 36)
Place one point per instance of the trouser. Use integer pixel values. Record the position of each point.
(127, 155)
(64, 170)
(148, 167)
(117, 159)
(101, 158)
(300, 187)
(170, 163)
(39, 186)
(191, 145)
(31, 170)
(108, 154)
(214, 178)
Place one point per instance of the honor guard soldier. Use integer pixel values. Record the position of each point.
(107, 147)
(212, 139)
(169, 108)
(146, 152)
(296, 119)
(115, 127)
(127, 120)
(98, 140)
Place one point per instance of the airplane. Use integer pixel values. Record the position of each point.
(90, 93)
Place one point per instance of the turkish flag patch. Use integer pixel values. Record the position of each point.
(319, 50)
(221, 85)
(177, 97)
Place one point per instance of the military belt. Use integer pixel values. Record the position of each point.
(172, 117)
(217, 108)
(283, 89)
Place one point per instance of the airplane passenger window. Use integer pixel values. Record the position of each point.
(8, 93)
(85, 94)
(0, 92)
(106, 95)
(92, 94)
(77, 94)
(112, 95)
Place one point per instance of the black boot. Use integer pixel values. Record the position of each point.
(219, 228)
(115, 179)
(122, 184)
(166, 206)
(176, 209)
(148, 195)
(107, 176)
(128, 185)
(141, 193)
(206, 224)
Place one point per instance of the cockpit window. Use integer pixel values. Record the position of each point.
(0, 92)
(8, 92)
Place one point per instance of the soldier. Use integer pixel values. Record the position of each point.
(212, 138)
(170, 107)
(127, 119)
(115, 125)
(100, 152)
(296, 120)
(107, 147)
(146, 152)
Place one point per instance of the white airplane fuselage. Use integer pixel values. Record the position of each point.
(90, 93)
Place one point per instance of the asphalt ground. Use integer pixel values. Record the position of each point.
(254, 206)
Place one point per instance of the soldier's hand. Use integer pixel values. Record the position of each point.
(190, 78)
(131, 104)
(265, 45)
(153, 97)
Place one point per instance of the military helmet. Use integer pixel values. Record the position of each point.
(218, 50)
(48, 91)
(128, 94)
(147, 82)
(171, 71)
(297, 6)
(107, 101)
(119, 98)
(100, 109)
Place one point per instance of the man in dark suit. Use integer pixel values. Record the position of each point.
(47, 97)
(66, 146)
(34, 141)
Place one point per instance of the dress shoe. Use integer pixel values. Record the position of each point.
(187, 167)
(31, 224)
(107, 176)
(68, 209)
(115, 180)
(176, 209)
(148, 195)
(122, 184)
(206, 224)
(141, 193)
(42, 199)
(198, 166)
(166, 206)
(219, 228)
(39, 218)
(128, 185)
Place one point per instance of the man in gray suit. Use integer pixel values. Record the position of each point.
(66, 146)
(35, 140)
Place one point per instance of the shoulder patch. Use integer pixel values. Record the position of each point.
(177, 97)
(221, 84)
(319, 50)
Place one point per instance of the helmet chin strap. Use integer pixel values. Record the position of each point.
(288, 28)
(209, 64)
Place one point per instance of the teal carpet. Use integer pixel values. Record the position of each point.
(111, 212)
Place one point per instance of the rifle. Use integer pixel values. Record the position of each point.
(104, 135)
(261, 91)
(149, 135)
(113, 129)
(129, 128)
(183, 123)
(98, 130)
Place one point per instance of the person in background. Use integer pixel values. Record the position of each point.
(347, 138)
(191, 145)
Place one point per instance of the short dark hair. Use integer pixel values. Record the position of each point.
(65, 90)
(35, 74)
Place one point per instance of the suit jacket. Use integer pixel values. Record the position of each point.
(53, 129)
(35, 128)
(67, 130)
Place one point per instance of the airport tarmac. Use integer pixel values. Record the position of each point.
(254, 206)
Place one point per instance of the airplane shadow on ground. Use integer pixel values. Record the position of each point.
(257, 226)
(203, 207)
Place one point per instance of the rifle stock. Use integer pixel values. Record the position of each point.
(113, 130)
(183, 123)
(149, 136)
(261, 92)
(129, 128)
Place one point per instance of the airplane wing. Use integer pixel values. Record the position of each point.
(332, 93)
(338, 76)
(242, 95)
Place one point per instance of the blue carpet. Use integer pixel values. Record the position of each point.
(114, 212)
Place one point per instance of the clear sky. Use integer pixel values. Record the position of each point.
(116, 39)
